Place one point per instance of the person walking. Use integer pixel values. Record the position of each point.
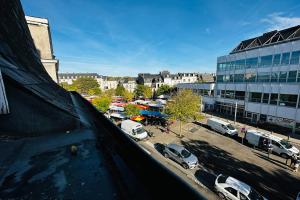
(296, 165)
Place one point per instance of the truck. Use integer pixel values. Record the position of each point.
(134, 129)
(265, 140)
(222, 127)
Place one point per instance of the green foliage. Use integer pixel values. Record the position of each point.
(110, 93)
(142, 90)
(68, 87)
(128, 96)
(84, 84)
(131, 110)
(184, 106)
(94, 91)
(102, 103)
(120, 90)
(164, 89)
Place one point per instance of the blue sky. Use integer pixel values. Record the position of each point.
(126, 37)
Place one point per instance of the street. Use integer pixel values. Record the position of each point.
(220, 154)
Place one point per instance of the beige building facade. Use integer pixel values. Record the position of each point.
(41, 35)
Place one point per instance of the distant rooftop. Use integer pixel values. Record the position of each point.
(269, 38)
(60, 75)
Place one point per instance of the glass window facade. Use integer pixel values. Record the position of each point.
(285, 60)
(292, 75)
(276, 59)
(288, 100)
(251, 62)
(266, 61)
(250, 77)
(274, 99)
(274, 77)
(265, 98)
(282, 77)
(255, 97)
(238, 78)
(295, 58)
(263, 77)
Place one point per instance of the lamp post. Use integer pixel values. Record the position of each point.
(235, 111)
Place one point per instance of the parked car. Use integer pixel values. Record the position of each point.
(222, 127)
(134, 129)
(230, 188)
(264, 140)
(181, 155)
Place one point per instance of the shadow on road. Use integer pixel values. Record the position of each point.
(206, 178)
(277, 184)
(159, 147)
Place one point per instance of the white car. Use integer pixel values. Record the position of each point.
(233, 189)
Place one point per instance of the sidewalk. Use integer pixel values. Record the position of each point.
(240, 125)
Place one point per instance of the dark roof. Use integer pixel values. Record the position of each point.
(268, 38)
(60, 75)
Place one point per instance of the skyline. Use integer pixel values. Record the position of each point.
(124, 38)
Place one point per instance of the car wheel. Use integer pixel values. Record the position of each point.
(166, 155)
(222, 196)
(185, 166)
(284, 155)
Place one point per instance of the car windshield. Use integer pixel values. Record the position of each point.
(286, 144)
(185, 153)
(230, 127)
(140, 130)
(254, 195)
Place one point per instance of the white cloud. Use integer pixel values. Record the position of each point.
(277, 21)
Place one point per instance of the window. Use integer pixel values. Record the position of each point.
(231, 78)
(232, 191)
(223, 93)
(220, 78)
(255, 97)
(285, 60)
(240, 95)
(274, 99)
(288, 100)
(243, 197)
(292, 76)
(263, 77)
(275, 143)
(276, 60)
(229, 94)
(251, 62)
(238, 78)
(266, 60)
(265, 98)
(298, 79)
(282, 77)
(226, 78)
(274, 77)
(250, 77)
(239, 64)
(295, 58)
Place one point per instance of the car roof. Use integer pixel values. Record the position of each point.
(219, 121)
(176, 147)
(238, 185)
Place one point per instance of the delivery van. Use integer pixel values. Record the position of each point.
(134, 129)
(265, 140)
(222, 127)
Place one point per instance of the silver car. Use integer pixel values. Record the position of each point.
(180, 155)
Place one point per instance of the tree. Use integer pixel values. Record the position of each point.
(142, 90)
(184, 106)
(128, 96)
(94, 91)
(131, 110)
(69, 87)
(102, 103)
(110, 93)
(120, 90)
(84, 84)
(164, 89)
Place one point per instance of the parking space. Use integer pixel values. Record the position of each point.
(220, 154)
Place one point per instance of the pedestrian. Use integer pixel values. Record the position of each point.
(296, 165)
(293, 161)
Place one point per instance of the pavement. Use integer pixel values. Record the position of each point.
(220, 154)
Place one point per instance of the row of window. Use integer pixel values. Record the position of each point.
(274, 77)
(287, 58)
(289, 100)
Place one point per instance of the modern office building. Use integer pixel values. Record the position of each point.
(262, 75)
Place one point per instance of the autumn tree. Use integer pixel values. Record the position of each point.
(184, 106)
(102, 103)
(85, 84)
(128, 96)
(142, 90)
(131, 110)
(164, 89)
(120, 90)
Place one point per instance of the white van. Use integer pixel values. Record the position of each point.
(263, 140)
(134, 129)
(222, 127)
